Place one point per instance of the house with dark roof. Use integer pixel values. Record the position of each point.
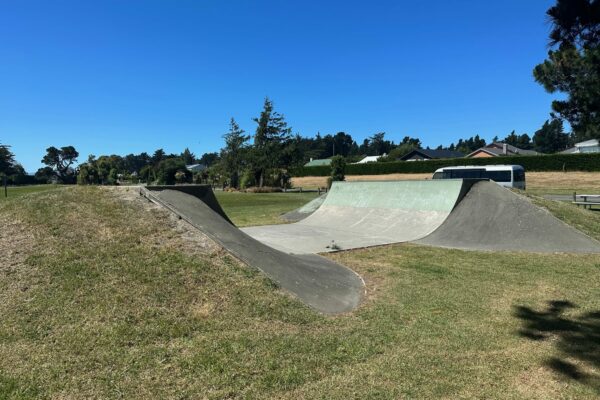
(497, 149)
(428, 154)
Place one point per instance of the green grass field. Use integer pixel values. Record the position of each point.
(17, 191)
(246, 209)
(101, 298)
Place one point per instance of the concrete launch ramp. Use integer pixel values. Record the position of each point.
(318, 282)
(491, 217)
(362, 214)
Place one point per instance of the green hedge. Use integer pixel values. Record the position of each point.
(552, 162)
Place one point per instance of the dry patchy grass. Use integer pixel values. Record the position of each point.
(111, 304)
(310, 182)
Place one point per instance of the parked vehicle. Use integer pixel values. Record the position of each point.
(512, 176)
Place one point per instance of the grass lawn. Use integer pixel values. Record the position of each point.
(17, 191)
(246, 209)
(101, 299)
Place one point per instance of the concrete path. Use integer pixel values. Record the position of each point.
(320, 283)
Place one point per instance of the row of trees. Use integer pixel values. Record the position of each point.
(248, 160)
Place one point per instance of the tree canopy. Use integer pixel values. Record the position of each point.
(573, 65)
(7, 160)
(551, 138)
(59, 161)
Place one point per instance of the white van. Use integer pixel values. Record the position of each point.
(512, 176)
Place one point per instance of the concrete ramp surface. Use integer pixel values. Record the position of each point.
(304, 211)
(318, 282)
(361, 214)
(491, 217)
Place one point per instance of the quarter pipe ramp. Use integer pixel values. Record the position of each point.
(362, 214)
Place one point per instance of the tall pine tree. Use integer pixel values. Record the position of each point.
(232, 155)
(272, 134)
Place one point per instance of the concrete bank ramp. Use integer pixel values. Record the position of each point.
(304, 211)
(362, 214)
(320, 283)
(491, 217)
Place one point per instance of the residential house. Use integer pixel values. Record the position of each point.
(589, 146)
(497, 149)
(428, 154)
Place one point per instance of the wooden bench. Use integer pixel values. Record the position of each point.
(586, 200)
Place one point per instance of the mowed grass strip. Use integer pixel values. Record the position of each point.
(247, 209)
(18, 191)
(105, 304)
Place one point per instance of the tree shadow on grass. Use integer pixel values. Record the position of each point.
(576, 338)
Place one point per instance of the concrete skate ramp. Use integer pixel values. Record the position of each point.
(320, 283)
(304, 211)
(362, 214)
(491, 217)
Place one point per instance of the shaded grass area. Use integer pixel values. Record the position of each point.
(17, 191)
(247, 209)
(106, 305)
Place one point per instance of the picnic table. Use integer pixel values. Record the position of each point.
(586, 200)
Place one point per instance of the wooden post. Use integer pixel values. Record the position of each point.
(5, 186)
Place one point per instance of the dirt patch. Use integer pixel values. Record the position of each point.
(193, 241)
(539, 383)
(16, 243)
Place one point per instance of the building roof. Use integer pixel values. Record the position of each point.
(429, 153)
(497, 149)
(316, 163)
(588, 143)
(369, 159)
(570, 150)
(195, 167)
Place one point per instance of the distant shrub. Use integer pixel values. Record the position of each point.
(338, 169)
(264, 189)
(247, 179)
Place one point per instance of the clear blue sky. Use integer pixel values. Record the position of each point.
(118, 77)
